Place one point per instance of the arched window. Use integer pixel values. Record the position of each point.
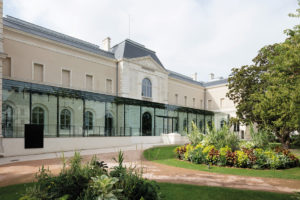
(89, 120)
(38, 115)
(7, 120)
(65, 119)
(146, 88)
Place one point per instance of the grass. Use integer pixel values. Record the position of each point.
(177, 192)
(182, 192)
(13, 192)
(165, 155)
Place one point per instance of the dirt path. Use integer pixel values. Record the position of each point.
(23, 172)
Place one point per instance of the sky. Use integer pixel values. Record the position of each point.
(204, 36)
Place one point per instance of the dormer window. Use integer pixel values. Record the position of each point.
(146, 88)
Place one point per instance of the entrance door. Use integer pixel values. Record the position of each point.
(108, 125)
(147, 124)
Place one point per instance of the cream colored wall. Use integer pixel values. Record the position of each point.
(182, 88)
(215, 94)
(132, 73)
(25, 50)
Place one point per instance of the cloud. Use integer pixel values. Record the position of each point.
(188, 36)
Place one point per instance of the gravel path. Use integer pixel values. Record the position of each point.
(22, 172)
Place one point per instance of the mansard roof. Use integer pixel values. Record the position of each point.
(27, 27)
(131, 49)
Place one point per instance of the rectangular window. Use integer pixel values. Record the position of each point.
(108, 86)
(185, 100)
(38, 72)
(176, 99)
(222, 102)
(194, 102)
(209, 106)
(66, 78)
(201, 103)
(89, 82)
(7, 67)
(236, 127)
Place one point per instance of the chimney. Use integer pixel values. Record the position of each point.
(195, 76)
(106, 44)
(212, 76)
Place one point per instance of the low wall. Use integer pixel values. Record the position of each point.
(15, 146)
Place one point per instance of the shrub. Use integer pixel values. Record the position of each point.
(197, 156)
(179, 151)
(223, 155)
(221, 138)
(102, 188)
(91, 181)
(242, 159)
(195, 136)
(260, 138)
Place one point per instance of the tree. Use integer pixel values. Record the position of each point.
(267, 92)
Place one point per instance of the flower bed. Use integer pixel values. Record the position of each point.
(255, 158)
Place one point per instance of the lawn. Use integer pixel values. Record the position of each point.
(178, 192)
(165, 155)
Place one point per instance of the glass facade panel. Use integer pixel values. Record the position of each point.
(97, 108)
(15, 111)
(49, 105)
(200, 122)
(72, 113)
(110, 119)
(132, 120)
(70, 117)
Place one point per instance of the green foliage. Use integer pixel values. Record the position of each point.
(267, 92)
(91, 181)
(255, 158)
(242, 159)
(296, 140)
(134, 187)
(102, 188)
(260, 138)
(221, 138)
(195, 136)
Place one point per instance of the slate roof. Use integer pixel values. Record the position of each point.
(131, 49)
(216, 82)
(27, 27)
(184, 78)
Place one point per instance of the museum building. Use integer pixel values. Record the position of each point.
(91, 97)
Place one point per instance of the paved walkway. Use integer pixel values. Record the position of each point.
(22, 172)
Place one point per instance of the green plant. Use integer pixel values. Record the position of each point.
(221, 138)
(120, 169)
(242, 159)
(102, 188)
(195, 136)
(259, 138)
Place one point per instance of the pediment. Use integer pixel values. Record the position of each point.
(148, 63)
